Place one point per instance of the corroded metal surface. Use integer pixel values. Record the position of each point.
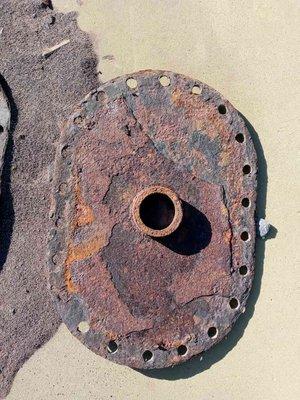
(145, 300)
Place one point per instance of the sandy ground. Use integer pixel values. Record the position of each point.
(249, 51)
(33, 86)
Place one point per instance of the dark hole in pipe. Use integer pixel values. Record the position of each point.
(157, 211)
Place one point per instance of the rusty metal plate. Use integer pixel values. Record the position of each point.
(152, 247)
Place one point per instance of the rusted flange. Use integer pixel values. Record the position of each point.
(152, 248)
(157, 211)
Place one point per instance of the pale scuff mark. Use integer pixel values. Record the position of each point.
(50, 50)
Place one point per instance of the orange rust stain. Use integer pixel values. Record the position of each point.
(84, 250)
(80, 252)
(71, 288)
(176, 96)
(85, 215)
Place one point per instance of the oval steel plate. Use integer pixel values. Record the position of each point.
(131, 287)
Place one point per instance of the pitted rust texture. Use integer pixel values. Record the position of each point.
(153, 294)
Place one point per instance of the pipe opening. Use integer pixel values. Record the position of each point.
(157, 211)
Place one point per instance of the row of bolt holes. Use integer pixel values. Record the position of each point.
(165, 81)
(182, 350)
(212, 332)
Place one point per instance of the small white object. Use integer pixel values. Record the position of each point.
(263, 227)
(47, 52)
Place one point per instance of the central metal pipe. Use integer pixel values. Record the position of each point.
(157, 211)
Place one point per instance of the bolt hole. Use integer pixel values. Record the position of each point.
(157, 211)
(112, 347)
(245, 202)
(83, 327)
(63, 188)
(243, 270)
(1, 129)
(240, 138)
(196, 89)
(246, 169)
(100, 96)
(222, 109)
(147, 355)
(64, 151)
(245, 236)
(131, 83)
(182, 350)
(164, 80)
(212, 332)
(234, 303)
(78, 120)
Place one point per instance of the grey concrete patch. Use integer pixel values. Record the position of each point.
(41, 91)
